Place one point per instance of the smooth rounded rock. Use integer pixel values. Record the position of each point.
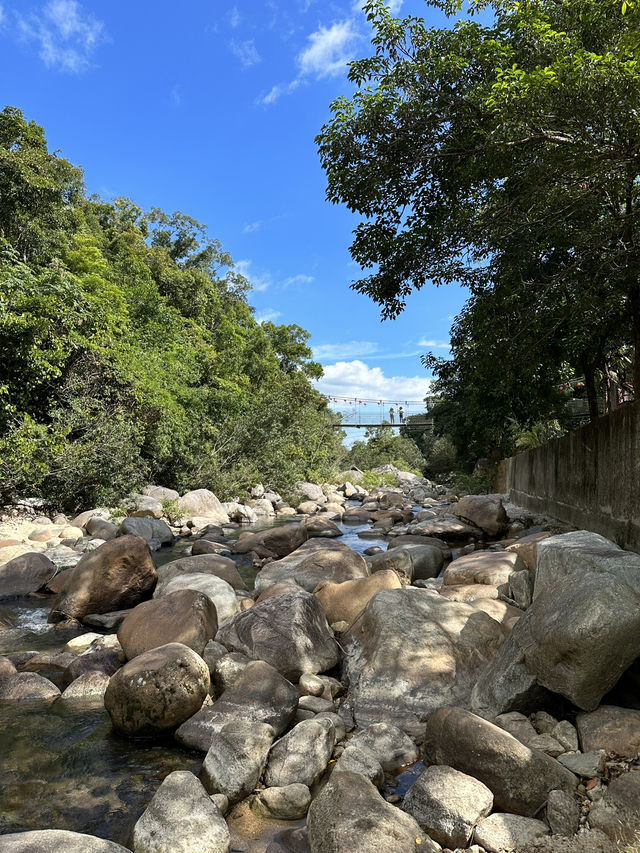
(57, 841)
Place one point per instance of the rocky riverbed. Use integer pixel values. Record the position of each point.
(394, 670)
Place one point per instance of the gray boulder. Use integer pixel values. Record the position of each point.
(260, 694)
(27, 687)
(288, 631)
(350, 816)
(617, 814)
(273, 542)
(202, 503)
(153, 530)
(301, 755)
(414, 562)
(204, 564)
(55, 841)
(563, 813)
(520, 778)
(614, 730)
(309, 492)
(390, 745)
(144, 506)
(101, 528)
(501, 833)
(236, 758)
(290, 802)
(448, 804)
(217, 590)
(485, 511)
(161, 493)
(411, 651)
(25, 574)
(181, 818)
(332, 564)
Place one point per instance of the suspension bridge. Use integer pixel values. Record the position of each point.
(366, 412)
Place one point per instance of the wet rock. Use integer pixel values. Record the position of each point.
(185, 616)
(505, 832)
(236, 758)
(411, 651)
(206, 546)
(484, 567)
(104, 655)
(153, 530)
(448, 804)
(88, 688)
(157, 691)
(181, 818)
(563, 813)
(289, 631)
(217, 590)
(331, 565)
(27, 687)
(301, 755)
(116, 575)
(520, 778)
(56, 841)
(615, 730)
(290, 802)
(447, 527)
(350, 816)
(25, 574)
(207, 564)
(260, 695)
(107, 621)
(342, 602)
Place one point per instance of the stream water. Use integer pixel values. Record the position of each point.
(64, 767)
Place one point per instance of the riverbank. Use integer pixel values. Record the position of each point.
(219, 677)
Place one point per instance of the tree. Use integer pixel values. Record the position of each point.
(461, 143)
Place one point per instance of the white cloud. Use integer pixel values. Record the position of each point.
(246, 52)
(258, 281)
(176, 97)
(297, 279)
(348, 349)
(277, 91)
(393, 6)
(268, 315)
(1, 13)
(234, 17)
(355, 379)
(250, 227)
(66, 34)
(424, 342)
(329, 50)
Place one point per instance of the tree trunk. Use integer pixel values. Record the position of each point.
(590, 385)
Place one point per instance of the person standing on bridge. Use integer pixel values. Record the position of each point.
(392, 415)
(401, 414)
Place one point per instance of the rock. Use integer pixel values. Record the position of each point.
(342, 602)
(309, 491)
(64, 558)
(310, 685)
(301, 755)
(617, 814)
(322, 528)
(447, 527)
(350, 816)
(260, 695)
(7, 669)
(414, 562)
(546, 743)
(575, 639)
(411, 651)
(27, 687)
(448, 804)
(470, 593)
(563, 813)
(504, 832)
(153, 530)
(520, 778)
(390, 745)
(205, 546)
(216, 589)
(25, 574)
(615, 730)
(107, 621)
(102, 656)
(161, 493)
(87, 688)
(334, 565)
(181, 819)
(80, 644)
(586, 764)
(82, 519)
(527, 548)
(521, 588)
(263, 508)
(308, 507)
(203, 503)
(10, 552)
(517, 725)
(101, 528)
(566, 735)
(273, 542)
(116, 575)
(290, 802)
(484, 567)
(544, 723)
(228, 669)
(240, 513)
(56, 841)
(144, 506)
(185, 616)
(571, 555)
(41, 535)
(315, 704)
(158, 690)
(212, 653)
(361, 760)
(289, 631)
(236, 758)
(485, 511)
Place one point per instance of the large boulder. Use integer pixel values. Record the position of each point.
(260, 694)
(414, 562)
(335, 564)
(27, 687)
(520, 778)
(219, 591)
(342, 602)
(274, 542)
(571, 555)
(236, 758)
(485, 511)
(615, 730)
(25, 574)
(309, 492)
(576, 639)
(144, 506)
(503, 833)
(181, 818)
(617, 814)
(301, 755)
(154, 531)
(161, 493)
(55, 841)
(158, 690)
(411, 651)
(288, 631)
(185, 616)
(283, 570)
(203, 503)
(117, 575)
(350, 816)
(447, 527)
(202, 564)
(526, 547)
(100, 528)
(483, 567)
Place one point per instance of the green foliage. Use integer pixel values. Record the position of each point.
(371, 479)
(470, 484)
(129, 353)
(381, 447)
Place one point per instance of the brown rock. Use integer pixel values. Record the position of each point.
(343, 601)
(527, 548)
(487, 567)
(616, 730)
(207, 564)
(330, 565)
(484, 511)
(25, 574)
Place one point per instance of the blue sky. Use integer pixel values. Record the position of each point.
(211, 107)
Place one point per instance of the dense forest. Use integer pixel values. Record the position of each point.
(129, 352)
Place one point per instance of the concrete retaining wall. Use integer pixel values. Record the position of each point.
(589, 478)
